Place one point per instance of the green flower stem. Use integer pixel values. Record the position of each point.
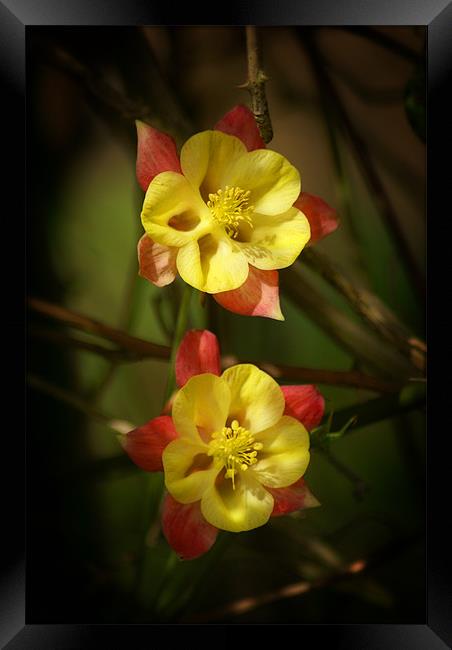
(151, 509)
(186, 586)
(181, 326)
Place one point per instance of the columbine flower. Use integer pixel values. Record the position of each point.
(226, 215)
(234, 451)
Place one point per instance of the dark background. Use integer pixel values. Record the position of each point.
(89, 505)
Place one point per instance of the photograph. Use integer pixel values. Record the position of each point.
(226, 324)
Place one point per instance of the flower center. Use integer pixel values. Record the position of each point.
(230, 207)
(234, 446)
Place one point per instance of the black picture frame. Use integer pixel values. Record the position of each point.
(18, 15)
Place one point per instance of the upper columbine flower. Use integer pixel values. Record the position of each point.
(234, 451)
(226, 215)
(229, 208)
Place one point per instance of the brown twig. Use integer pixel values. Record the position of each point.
(244, 605)
(116, 425)
(369, 307)
(135, 347)
(365, 160)
(358, 566)
(64, 340)
(132, 349)
(350, 378)
(256, 84)
(363, 344)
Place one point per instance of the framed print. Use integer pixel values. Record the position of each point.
(225, 356)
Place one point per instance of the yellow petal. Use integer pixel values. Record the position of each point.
(189, 471)
(257, 401)
(273, 182)
(248, 506)
(173, 213)
(206, 157)
(201, 407)
(275, 241)
(214, 263)
(285, 454)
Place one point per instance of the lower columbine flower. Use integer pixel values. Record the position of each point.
(234, 451)
(226, 215)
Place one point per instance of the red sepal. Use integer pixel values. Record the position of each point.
(258, 296)
(157, 263)
(322, 218)
(240, 122)
(156, 153)
(199, 352)
(305, 403)
(185, 528)
(295, 497)
(145, 444)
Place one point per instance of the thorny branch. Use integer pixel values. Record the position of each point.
(256, 84)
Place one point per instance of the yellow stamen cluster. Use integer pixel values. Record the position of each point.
(230, 207)
(235, 447)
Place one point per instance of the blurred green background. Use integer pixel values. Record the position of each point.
(96, 553)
